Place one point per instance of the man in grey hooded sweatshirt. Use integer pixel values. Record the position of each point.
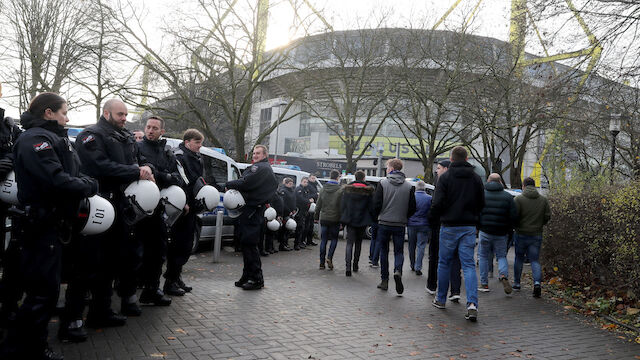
(394, 202)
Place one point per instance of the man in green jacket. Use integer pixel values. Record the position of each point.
(328, 211)
(533, 214)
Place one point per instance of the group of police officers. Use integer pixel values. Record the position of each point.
(53, 176)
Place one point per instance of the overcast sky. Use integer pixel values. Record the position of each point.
(491, 19)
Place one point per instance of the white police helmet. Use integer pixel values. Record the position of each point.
(270, 214)
(173, 200)
(143, 197)
(312, 208)
(207, 198)
(274, 225)
(95, 215)
(9, 189)
(291, 225)
(233, 202)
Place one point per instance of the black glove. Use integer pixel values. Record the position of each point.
(94, 186)
(6, 165)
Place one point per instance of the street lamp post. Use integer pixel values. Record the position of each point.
(280, 105)
(614, 129)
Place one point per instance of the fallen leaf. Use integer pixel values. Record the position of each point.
(181, 331)
(414, 353)
(158, 355)
(632, 311)
(389, 344)
(430, 326)
(171, 338)
(570, 307)
(463, 356)
(486, 346)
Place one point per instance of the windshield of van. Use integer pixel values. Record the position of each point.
(215, 170)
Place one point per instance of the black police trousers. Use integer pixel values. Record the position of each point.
(152, 232)
(301, 228)
(308, 233)
(251, 225)
(11, 285)
(41, 265)
(181, 245)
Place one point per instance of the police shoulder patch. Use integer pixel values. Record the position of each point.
(254, 168)
(88, 139)
(41, 146)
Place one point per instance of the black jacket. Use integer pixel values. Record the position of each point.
(192, 167)
(458, 198)
(257, 184)
(302, 199)
(110, 155)
(9, 133)
(165, 166)
(357, 205)
(313, 190)
(277, 203)
(288, 199)
(48, 169)
(499, 214)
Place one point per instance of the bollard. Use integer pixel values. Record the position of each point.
(217, 242)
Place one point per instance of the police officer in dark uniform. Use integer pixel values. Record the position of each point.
(277, 204)
(257, 185)
(313, 192)
(303, 200)
(182, 232)
(152, 231)
(10, 285)
(49, 188)
(286, 193)
(108, 153)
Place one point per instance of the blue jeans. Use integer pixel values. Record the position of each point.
(462, 238)
(374, 247)
(490, 244)
(418, 238)
(395, 233)
(527, 245)
(328, 232)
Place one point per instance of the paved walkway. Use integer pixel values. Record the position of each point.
(306, 313)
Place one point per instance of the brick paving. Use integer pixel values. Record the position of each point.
(306, 313)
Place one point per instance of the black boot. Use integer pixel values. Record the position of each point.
(130, 308)
(49, 354)
(172, 288)
(253, 285)
(184, 286)
(154, 297)
(243, 280)
(109, 319)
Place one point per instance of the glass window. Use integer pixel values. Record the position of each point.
(215, 170)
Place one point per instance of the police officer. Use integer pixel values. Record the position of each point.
(313, 192)
(303, 201)
(257, 185)
(182, 232)
(50, 189)
(286, 193)
(10, 286)
(108, 153)
(152, 231)
(277, 204)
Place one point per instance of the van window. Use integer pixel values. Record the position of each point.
(215, 170)
(235, 173)
(281, 177)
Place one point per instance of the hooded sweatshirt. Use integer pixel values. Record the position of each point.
(328, 205)
(394, 200)
(458, 198)
(533, 212)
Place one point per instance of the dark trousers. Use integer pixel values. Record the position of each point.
(129, 259)
(308, 222)
(268, 238)
(181, 245)
(396, 234)
(283, 236)
(11, 285)
(251, 223)
(152, 232)
(41, 265)
(434, 247)
(374, 246)
(300, 229)
(354, 238)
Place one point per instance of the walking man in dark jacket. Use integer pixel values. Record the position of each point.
(357, 214)
(286, 192)
(313, 192)
(394, 202)
(418, 228)
(533, 213)
(328, 212)
(257, 185)
(303, 201)
(496, 221)
(457, 203)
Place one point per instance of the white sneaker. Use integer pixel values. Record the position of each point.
(472, 313)
(429, 291)
(454, 298)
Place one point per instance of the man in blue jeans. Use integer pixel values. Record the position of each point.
(394, 201)
(418, 228)
(496, 221)
(457, 203)
(533, 214)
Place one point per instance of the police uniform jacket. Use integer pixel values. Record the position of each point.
(165, 166)
(277, 203)
(257, 184)
(288, 197)
(9, 133)
(192, 167)
(109, 154)
(302, 199)
(47, 167)
(313, 190)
